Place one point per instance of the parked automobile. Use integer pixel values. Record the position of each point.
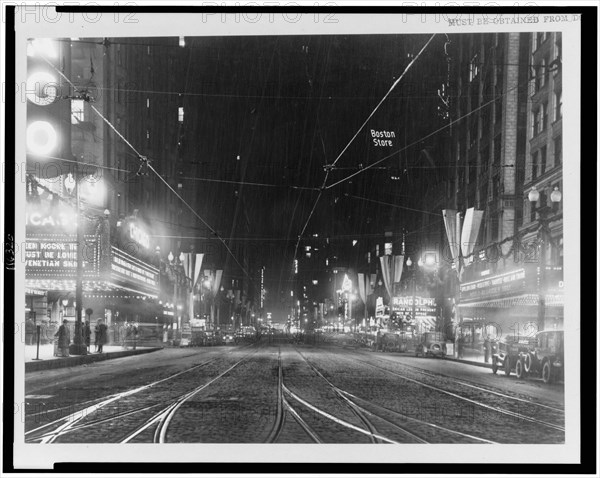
(432, 344)
(399, 341)
(545, 359)
(507, 353)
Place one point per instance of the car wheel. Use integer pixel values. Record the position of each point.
(507, 366)
(547, 372)
(519, 368)
(494, 365)
(527, 363)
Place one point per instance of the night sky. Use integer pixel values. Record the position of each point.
(287, 106)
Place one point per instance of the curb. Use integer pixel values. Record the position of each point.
(82, 359)
(470, 362)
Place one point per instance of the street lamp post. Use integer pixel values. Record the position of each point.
(413, 274)
(544, 237)
(78, 346)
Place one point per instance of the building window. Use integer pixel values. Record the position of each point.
(531, 207)
(77, 113)
(539, 39)
(537, 118)
(558, 151)
(557, 105)
(543, 160)
(538, 79)
(181, 114)
(474, 67)
(534, 163)
(544, 116)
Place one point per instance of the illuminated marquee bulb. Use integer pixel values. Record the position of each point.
(41, 88)
(41, 138)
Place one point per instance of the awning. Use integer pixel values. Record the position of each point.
(516, 301)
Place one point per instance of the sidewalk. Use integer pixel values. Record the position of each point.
(49, 361)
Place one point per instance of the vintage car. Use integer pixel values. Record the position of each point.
(432, 344)
(203, 338)
(545, 358)
(399, 341)
(507, 352)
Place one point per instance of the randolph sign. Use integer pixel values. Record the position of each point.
(423, 306)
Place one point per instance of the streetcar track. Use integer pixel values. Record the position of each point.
(100, 421)
(416, 420)
(279, 418)
(164, 417)
(310, 432)
(335, 419)
(469, 400)
(467, 384)
(355, 409)
(71, 420)
(358, 411)
(345, 395)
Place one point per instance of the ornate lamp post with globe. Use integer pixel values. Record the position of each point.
(543, 238)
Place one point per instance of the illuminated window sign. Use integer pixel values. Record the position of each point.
(55, 255)
(40, 219)
(422, 306)
(127, 269)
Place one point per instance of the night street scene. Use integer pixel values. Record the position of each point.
(338, 239)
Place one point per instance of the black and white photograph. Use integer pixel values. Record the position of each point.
(315, 232)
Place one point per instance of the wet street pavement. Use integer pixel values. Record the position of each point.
(279, 392)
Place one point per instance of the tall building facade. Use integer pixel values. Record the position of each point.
(507, 107)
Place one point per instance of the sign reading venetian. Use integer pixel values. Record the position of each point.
(376, 135)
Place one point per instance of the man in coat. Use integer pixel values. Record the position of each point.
(87, 334)
(64, 338)
(101, 335)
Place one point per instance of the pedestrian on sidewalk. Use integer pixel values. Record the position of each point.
(29, 331)
(87, 335)
(461, 346)
(135, 332)
(486, 349)
(101, 335)
(64, 338)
